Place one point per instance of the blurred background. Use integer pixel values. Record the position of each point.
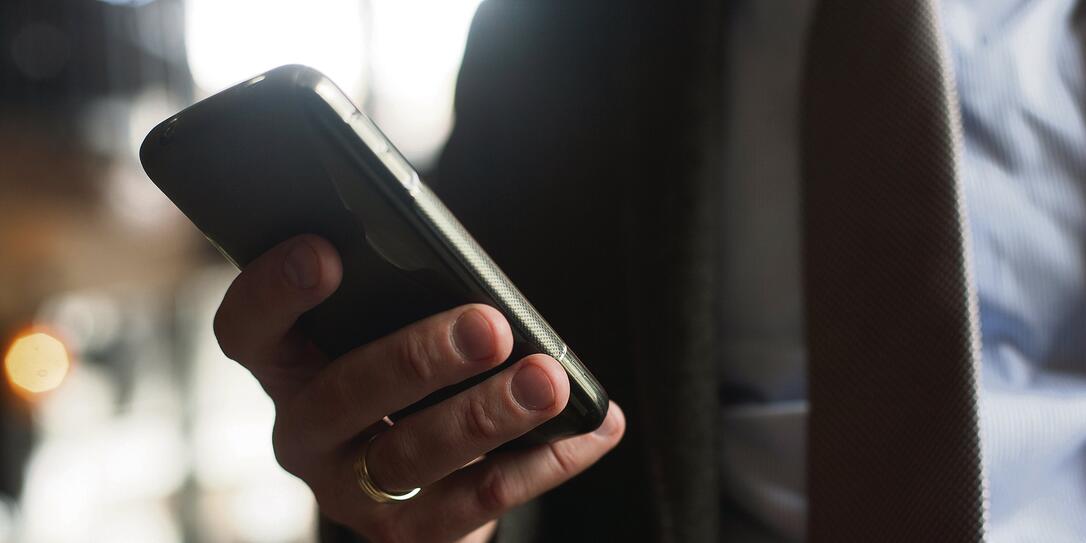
(120, 420)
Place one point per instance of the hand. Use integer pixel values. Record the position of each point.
(326, 410)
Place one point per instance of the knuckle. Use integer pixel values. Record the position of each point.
(565, 461)
(330, 504)
(285, 447)
(415, 357)
(494, 494)
(224, 334)
(478, 423)
(327, 505)
(334, 500)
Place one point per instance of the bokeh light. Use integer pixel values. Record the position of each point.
(36, 362)
(133, 426)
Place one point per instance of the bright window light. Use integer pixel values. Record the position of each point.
(417, 49)
(408, 64)
(230, 40)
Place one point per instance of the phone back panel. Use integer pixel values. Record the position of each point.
(271, 158)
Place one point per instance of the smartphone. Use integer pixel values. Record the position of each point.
(287, 153)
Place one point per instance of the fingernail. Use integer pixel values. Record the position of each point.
(473, 336)
(301, 266)
(532, 388)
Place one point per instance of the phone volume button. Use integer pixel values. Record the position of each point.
(412, 184)
(565, 349)
(364, 128)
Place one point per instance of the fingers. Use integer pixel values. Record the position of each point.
(484, 491)
(320, 415)
(255, 320)
(432, 443)
(269, 295)
(395, 371)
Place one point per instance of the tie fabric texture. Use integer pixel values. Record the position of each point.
(894, 449)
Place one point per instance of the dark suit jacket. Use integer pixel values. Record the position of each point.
(584, 159)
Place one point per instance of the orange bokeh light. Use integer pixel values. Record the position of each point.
(36, 362)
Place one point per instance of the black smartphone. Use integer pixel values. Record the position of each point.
(287, 153)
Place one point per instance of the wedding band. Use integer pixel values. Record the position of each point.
(365, 481)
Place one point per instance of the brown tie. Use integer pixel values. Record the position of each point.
(894, 451)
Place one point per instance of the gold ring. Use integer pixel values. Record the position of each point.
(365, 481)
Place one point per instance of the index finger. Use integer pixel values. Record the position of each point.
(255, 322)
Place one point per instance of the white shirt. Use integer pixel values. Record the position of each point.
(1020, 73)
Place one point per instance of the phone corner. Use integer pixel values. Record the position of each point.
(152, 144)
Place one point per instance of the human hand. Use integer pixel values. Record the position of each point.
(328, 410)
